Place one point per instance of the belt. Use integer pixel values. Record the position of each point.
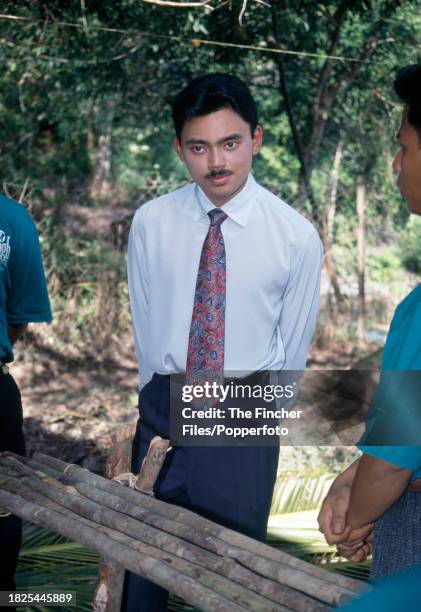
(181, 377)
(4, 369)
(415, 485)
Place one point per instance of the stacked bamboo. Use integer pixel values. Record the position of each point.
(211, 567)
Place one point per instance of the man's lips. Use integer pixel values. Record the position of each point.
(219, 179)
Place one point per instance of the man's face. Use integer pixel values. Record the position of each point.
(218, 150)
(408, 165)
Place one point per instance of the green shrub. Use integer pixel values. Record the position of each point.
(410, 245)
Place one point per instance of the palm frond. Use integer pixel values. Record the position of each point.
(297, 493)
(48, 561)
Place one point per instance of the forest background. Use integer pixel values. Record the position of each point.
(86, 138)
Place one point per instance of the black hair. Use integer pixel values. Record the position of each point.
(407, 85)
(212, 92)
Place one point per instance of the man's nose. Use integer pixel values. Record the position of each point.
(397, 162)
(216, 158)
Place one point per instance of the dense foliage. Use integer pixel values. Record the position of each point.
(84, 101)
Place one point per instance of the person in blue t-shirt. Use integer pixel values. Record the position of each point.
(383, 487)
(23, 299)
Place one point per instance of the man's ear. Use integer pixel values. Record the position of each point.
(177, 146)
(257, 139)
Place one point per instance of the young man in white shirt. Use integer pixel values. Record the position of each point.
(223, 277)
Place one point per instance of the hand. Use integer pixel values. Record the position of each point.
(357, 551)
(332, 516)
(362, 534)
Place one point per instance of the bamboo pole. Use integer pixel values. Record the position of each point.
(244, 597)
(219, 539)
(151, 465)
(101, 512)
(217, 559)
(150, 568)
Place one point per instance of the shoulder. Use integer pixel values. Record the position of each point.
(407, 308)
(283, 212)
(159, 209)
(14, 213)
(298, 229)
(402, 350)
(17, 227)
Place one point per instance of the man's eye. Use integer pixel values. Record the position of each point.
(198, 149)
(231, 145)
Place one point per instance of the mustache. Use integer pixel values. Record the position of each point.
(217, 172)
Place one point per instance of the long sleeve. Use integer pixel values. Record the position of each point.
(139, 295)
(301, 303)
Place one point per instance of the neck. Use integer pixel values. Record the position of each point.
(223, 200)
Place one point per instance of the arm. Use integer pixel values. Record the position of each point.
(27, 297)
(139, 293)
(377, 485)
(15, 332)
(301, 303)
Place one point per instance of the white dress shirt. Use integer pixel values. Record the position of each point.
(273, 262)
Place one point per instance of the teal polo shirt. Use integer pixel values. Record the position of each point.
(397, 403)
(23, 290)
(400, 593)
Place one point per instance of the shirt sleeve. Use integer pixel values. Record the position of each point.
(27, 299)
(139, 295)
(407, 457)
(393, 423)
(301, 303)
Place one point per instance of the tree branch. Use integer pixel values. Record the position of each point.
(202, 3)
(293, 125)
(322, 84)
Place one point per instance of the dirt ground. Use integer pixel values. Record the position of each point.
(73, 403)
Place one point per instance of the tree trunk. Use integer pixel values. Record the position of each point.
(329, 222)
(101, 175)
(329, 260)
(360, 201)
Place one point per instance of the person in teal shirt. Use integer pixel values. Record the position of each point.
(23, 299)
(383, 487)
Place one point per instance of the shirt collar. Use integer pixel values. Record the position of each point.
(238, 208)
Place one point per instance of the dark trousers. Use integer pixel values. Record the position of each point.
(230, 485)
(11, 439)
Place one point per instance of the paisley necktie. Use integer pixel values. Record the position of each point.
(205, 355)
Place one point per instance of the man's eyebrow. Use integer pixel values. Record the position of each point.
(195, 141)
(198, 141)
(234, 136)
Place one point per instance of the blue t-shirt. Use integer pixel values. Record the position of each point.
(23, 290)
(397, 405)
(401, 592)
